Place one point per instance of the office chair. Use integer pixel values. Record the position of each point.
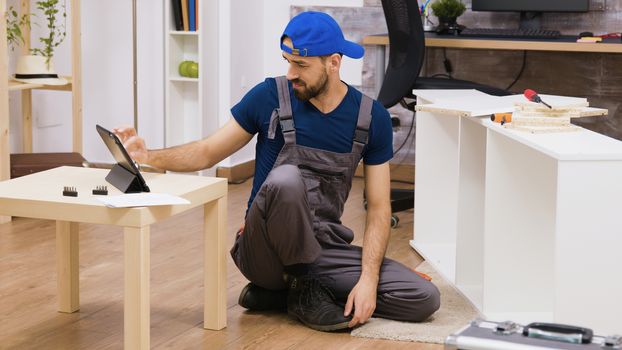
(406, 55)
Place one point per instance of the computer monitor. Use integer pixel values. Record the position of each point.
(531, 10)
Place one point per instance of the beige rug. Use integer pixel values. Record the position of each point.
(455, 313)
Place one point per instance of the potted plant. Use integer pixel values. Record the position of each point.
(38, 67)
(56, 33)
(447, 12)
(14, 25)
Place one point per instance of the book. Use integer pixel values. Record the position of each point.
(184, 14)
(176, 12)
(196, 12)
(191, 15)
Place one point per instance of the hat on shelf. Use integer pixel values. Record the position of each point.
(33, 69)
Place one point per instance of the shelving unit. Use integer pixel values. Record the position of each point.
(6, 85)
(183, 107)
(190, 111)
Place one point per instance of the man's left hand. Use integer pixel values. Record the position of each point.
(363, 299)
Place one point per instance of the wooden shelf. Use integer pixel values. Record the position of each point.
(17, 85)
(563, 44)
(184, 79)
(7, 84)
(183, 32)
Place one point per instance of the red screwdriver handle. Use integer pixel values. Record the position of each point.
(533, 97)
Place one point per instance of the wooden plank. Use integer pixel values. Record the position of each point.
(76, 73)
(593, 112)
(215, 269)
(40, 195)
(67, 266)
(492, 44)
(27, 93)
(237, 173)
(523, 45)
(136, 318)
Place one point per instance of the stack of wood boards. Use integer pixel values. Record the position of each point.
(532, 117)
(538, 118)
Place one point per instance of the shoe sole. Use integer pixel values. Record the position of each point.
(323, 328)
(256, 307)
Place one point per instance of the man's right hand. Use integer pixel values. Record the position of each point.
(134, 144)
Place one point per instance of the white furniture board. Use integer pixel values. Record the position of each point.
(578, 145)
(520, 222)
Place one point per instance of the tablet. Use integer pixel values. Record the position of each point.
(121, 156)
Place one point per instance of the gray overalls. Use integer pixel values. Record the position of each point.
(295, 219)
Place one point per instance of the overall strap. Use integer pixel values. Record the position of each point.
(362, 125)
(285, 111)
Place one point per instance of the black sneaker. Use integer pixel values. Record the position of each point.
(313, 304)
(256, 298)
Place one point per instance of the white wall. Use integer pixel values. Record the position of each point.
(247, 45)
(107, 71)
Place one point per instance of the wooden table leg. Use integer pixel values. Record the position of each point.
(136, 308)
(67, 266)
(215, 270)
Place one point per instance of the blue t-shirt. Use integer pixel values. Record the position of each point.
(332, 132)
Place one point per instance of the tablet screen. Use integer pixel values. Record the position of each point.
(128, 184)
(118, 151)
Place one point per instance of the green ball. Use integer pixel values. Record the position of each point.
(193, 70)
(183, 68)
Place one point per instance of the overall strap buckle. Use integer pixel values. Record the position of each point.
(287, 125)
(285, 115)
(361, 135)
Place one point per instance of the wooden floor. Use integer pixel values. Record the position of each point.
(29, 320)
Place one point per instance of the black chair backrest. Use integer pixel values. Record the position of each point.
(406, 50)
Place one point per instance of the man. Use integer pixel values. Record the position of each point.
(293, 247)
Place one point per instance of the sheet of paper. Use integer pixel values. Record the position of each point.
(143, 199)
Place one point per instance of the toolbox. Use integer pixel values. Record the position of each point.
(28, 163)
(488, 335)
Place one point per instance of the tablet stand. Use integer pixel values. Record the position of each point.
(124, 180)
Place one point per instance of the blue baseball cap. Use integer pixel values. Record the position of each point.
(318, 34)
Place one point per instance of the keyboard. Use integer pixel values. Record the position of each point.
(510, 33)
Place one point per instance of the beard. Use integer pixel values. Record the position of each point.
(308, 92)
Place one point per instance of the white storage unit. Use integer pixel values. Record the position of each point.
(191, 103)
(525, 225)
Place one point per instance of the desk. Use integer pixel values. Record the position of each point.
(40, 196)
(525, 225)
(563, 44)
